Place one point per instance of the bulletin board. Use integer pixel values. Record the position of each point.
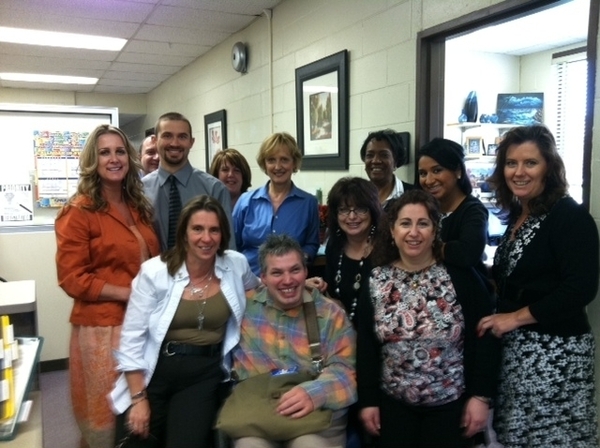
(39, 150)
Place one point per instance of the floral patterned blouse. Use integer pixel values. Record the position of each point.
(421, 325)
(509, 251)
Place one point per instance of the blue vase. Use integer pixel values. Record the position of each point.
(471, 107)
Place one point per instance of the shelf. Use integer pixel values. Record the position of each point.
(23, 370)
(497, 126)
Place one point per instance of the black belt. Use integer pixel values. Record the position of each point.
(171, 348)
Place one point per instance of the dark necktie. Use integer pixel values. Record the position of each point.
(174, 211)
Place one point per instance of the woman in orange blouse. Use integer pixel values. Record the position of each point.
(103, 235)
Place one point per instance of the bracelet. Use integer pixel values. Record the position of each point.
(141, 394)
(133, 403)
(485, 400)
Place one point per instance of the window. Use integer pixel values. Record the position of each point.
(570, 83)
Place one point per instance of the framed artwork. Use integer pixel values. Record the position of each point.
(215, 134)
(491, 149)
(479, 171)
(520, 109)
(322, 113)
(474, 146)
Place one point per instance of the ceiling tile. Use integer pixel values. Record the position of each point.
(165, 48)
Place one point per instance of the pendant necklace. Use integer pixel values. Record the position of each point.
(357, 278)
(355, 285)
(199, 293)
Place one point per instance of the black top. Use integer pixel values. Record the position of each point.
(465, 233)
(481, 355)
(557, 272)
(350, 268)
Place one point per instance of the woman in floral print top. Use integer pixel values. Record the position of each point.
(424, 377)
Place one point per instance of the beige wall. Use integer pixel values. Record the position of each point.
(381, 38)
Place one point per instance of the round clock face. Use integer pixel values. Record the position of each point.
(238, 57)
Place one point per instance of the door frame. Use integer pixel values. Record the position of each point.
(431, 50)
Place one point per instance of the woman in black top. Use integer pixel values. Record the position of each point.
(424, 377)
(354, 214)
(546, 270)
(464, 222)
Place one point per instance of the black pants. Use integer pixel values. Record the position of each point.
(184, 399)
(421, 426)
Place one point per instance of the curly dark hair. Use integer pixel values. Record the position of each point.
(399, 152)
(556, 185)
(351, 191)
(385, 250)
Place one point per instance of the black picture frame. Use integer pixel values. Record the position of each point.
(322, 113)
(215, 134)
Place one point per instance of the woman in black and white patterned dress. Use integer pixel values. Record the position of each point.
(546, 269)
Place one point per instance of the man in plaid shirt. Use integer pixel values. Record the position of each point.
(273, 337)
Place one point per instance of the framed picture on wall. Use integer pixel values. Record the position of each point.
(474, 146)
(322, 113)
(520, 109)
(215, 134)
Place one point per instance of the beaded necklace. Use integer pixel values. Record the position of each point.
(355, 285)
(357, 278)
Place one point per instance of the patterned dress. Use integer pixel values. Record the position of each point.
(546, 391)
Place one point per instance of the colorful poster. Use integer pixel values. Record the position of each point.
(57, 164)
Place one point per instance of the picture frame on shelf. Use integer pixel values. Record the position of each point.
(474, 146)
(322, 113)
(215, 134)
(491, 149)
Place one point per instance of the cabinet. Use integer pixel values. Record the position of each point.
(18, 300)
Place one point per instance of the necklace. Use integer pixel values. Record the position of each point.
(199, 292)
(413, 278)
(357, 278)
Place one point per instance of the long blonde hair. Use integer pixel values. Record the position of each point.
(90, 184)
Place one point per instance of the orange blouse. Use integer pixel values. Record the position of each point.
(95, 248)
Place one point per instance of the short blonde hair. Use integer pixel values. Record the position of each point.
(272, 144)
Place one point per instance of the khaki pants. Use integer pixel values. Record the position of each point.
(334, 437)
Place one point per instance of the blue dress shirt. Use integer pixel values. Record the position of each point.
(254, 219)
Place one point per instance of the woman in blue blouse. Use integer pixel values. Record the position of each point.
(279, 206)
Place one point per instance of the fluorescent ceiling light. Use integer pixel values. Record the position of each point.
(53, 39)
(29, 77)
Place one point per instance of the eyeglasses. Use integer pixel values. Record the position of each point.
(359, 211)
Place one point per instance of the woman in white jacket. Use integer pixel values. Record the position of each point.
(182, 321)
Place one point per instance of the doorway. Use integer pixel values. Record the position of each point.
(433, 114)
